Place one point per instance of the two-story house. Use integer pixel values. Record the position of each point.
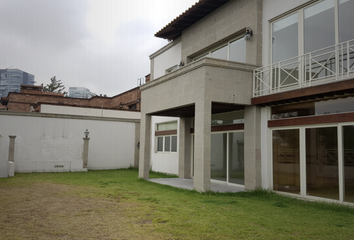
(262, 95)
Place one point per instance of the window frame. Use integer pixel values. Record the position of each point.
(209, 52)
(301, 27)
(164, 144)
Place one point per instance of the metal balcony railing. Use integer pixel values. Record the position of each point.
(322, 66)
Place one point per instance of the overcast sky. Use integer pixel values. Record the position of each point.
(103, 45)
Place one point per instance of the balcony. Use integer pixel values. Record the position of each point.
(327, 65)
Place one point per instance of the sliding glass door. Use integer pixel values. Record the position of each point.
(314, 161)
(227, 157)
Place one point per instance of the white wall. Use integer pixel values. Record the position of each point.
(167, 59)
(45, 140)
(271, 9)
(163, 162)
(89, 112)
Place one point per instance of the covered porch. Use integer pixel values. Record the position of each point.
(196, 92)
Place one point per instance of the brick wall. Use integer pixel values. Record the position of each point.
(22, 102)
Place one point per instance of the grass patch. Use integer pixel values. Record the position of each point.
(115, 204)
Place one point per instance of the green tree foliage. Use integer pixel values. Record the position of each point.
(55, 86)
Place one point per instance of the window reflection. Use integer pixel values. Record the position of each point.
(238, 50)
(286, 161)
(227, 118)
(218, 156)
(220, 53)
(322, 162)
(285, 38)
(236, 158)
(331, 106)
(348, 161)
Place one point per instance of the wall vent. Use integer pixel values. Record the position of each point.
(58, 166)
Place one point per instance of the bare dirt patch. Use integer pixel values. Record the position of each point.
(55, 211)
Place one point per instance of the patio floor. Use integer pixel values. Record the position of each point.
(188, 184)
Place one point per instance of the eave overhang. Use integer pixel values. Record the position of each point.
(199, 10)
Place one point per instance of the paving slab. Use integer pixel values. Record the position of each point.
(188, 184)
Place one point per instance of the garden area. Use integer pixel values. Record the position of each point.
(115, 204)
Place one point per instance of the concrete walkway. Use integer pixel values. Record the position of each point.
(188, 184)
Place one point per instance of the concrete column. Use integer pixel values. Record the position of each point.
(11, 157)
(85, 152)
(202, 146)
(253, 168)
(137, 145)
(184, 148)
(145, 146)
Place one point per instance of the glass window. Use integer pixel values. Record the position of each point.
(339, 105)
(286, 161)
(166, 126)
(220, 53)
(167, 143)
(174, 144)
(236, 158)
(285, 38)
(346, 19)
(202, 56)
(218, 156)
(238, 50)
(319, 26)
(159, 144)
(322, 162)
(348, 160)
(227, 118)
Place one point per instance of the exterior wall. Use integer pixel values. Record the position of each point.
(94, 112)
(226, 22)
(272, 9)
(19, 107)
(163, 162)
(133, 96)
(45, 140)
(20, 101)
(165, 58)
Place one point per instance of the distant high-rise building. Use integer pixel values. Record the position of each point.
(80, 92)
(11, 80)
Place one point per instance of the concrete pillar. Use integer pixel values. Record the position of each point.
(11, 157)
(145, 146)
(253, 167)
(137, 145)
(85, 152)
(184, 148)
(202, 146)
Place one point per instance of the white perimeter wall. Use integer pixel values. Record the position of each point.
(89, 112)
(167, 59)
(163, 162)
(46, 140)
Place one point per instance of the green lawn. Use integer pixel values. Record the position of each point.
(117, 205)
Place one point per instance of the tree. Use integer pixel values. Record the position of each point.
(55, 86)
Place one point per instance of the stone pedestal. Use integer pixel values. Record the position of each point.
(85, 152)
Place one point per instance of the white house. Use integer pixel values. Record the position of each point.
(262, 96)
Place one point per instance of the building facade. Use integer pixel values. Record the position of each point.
(263, 96)
(11, 80)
